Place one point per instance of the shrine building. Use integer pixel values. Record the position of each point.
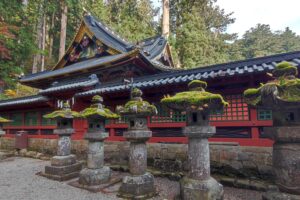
(99, 61)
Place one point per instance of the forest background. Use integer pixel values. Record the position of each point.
(35, 33)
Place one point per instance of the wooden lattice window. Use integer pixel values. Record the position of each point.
(47, 122)
(17, 119)
(264, 114)
(167, 115)
(31, 118)
(237, 110)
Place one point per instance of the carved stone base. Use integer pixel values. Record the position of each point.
(276, 195)
(94, 176)
(137, 187)
(210, 189)
(62, 168)
(63, 160)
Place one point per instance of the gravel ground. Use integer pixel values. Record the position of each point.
(19, 182)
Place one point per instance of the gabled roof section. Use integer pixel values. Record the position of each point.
(100, 34)
(106, 35)
(156, 48)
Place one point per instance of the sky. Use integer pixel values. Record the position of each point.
(277, 13)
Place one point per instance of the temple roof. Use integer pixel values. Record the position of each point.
(76, 67)
(106, 35)
(260, 65)
(71, 84)
(23, 100)
(237, 68)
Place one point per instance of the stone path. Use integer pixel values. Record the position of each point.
(19, 182)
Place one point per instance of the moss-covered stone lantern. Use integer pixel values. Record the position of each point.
(139, 184)
(3, 121)
(64, 165)
(96, 173)
(282, 96)
(198, 104)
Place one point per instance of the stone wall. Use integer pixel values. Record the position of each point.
(226, 158)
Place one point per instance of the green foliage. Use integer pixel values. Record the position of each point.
(134, 20)
(261, 41)
(198, 32)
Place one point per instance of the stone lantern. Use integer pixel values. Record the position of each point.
(139, 184)
(198, 104)
(64, 165)
(96, 173)
(3, 121)
(282, 96)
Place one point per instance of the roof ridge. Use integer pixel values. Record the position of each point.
(109, 30)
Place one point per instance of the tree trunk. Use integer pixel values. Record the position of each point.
(39, 40)
(63, 29)
(166, 18)
(43, 43)
(51, 35)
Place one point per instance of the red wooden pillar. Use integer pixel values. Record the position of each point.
(254, 120)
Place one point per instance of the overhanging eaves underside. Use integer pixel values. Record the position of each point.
(83, 66)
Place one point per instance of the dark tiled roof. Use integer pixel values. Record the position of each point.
(94, 62)
(256, 65)
(153, 47)
(23, 100)
(105, 34)
(74, 84)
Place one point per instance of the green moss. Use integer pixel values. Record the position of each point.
(136, 92)
(197, 99)
(291, 90)
(136, 106)
(3, 120)
(97, 98)
(195, 84)
(285, 88)
(252, 96)
(251, 92)
(95, 111)
(284, 69)
(65, 112)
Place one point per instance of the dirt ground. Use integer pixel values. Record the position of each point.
(18, 181)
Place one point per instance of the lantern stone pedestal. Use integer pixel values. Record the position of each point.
(64, 165)
(286, 163)
(139, 184)
(198, 184)
(95, 173)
